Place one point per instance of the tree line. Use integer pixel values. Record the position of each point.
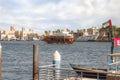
(114, 31)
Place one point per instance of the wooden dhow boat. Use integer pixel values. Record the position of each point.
(63, 37)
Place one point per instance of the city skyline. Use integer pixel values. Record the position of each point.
(41, 15)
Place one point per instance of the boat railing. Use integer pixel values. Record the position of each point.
(115, 63)
(96, 37)
(48, 73)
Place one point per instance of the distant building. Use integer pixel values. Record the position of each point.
(8, 35)
(24, 34)
(95, 31)
(13, 34)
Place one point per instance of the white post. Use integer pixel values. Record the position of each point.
(56, 63)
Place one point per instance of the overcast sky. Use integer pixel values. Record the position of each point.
(43, 15)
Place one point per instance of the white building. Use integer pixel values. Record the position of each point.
(7, 35)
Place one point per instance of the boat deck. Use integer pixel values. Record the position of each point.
(72, 78)
(115, 76)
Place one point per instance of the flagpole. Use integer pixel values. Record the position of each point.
(112, 45)
(112, 41)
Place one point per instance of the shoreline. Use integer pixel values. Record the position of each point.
(95, 41)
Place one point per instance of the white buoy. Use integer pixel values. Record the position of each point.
(56, 63)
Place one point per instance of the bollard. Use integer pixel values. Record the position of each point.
(56, 63)
(35, 62)
(0, 62)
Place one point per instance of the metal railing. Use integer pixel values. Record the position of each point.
(47, 73)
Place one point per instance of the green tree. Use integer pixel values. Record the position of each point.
(90, 30)
(68, 30)
(47, 33)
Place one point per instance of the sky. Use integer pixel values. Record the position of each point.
(41, 15)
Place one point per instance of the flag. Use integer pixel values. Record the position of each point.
(107, 24)
(110, 23)
(116, 41)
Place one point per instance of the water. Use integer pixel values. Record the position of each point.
(17, 56)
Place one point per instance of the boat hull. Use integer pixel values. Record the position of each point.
(59, 39)
(89, 72)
